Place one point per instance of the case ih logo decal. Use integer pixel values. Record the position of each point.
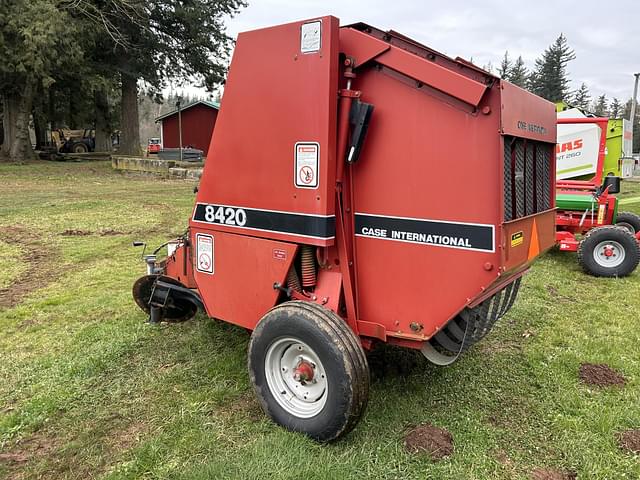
(288, 223)
(467, 236)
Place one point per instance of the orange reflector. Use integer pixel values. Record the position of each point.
(534, 245)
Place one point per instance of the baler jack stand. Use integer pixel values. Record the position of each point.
(155, 315)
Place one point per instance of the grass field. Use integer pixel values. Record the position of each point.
(88, 390)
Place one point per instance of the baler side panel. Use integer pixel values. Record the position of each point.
(276, 97)
(241, 288)
(424, 159)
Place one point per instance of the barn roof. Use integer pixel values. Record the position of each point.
(213, 105)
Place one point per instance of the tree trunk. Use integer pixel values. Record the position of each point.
(130, 138)
(103, 125)
(40, 117)
(73, 123)
(17, 111)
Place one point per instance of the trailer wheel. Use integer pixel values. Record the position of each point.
(309, 370)
(609, 252)
(629, 220)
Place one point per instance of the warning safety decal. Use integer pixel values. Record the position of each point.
(204, 253)
(311, 37)
(467, 236)
(307, 160)
(517, 239)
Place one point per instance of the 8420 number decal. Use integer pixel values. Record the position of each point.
(225, 215)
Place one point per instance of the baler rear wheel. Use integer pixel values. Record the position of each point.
(309, 370)
(629, 220)
(609, 251)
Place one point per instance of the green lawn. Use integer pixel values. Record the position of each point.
(88, 390)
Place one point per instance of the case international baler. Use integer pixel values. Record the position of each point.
(322, 224)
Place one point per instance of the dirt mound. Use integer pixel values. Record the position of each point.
(630, 440)
(75, 233)
(552, 474)
(37, 254)
(436, 442)
(600, 375)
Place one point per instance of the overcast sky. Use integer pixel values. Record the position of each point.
(605, 35)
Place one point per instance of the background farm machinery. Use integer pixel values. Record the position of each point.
(608, 246)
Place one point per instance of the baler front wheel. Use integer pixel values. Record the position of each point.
(609, 252)
(309, 370)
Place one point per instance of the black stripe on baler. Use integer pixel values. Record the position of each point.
(274, 221)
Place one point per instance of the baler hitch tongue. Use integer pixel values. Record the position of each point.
(469, 326)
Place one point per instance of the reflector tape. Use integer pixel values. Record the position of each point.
(288, 223)
(466, 236)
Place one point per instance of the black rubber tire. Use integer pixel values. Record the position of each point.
(79, 147)
(607, 233)
(630, 219)
(341, 354)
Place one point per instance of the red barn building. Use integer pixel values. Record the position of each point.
(198, 120)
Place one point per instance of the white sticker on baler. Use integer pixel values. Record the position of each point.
(204, 253)
(307, 158)
(311, 37)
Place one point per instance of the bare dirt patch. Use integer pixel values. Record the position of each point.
(552, 474)
(630, 440)
(27, 451)
(75, 233)
(109, 232)
(245, 405)
(127, 437)
(13, 458)
(40, 271)
(434, 441)
(600, 375)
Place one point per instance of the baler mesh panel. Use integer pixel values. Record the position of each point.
(527, 177)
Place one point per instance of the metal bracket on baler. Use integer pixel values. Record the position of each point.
(167, 301)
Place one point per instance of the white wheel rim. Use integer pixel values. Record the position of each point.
(626, 226)
(609, 254)
(303, 399)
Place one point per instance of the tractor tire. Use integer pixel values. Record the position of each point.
(79, 148)
(309, 370)
(609, 251)
(629, 220)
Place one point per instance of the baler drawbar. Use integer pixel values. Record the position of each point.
(324, 221)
